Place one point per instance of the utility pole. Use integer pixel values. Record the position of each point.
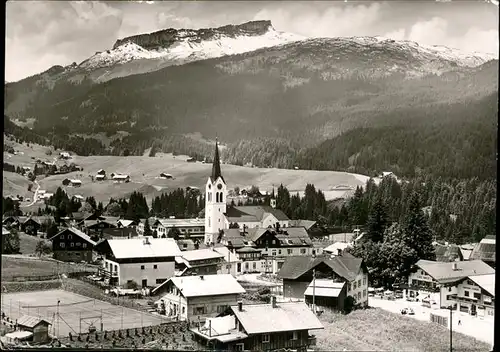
(314, 291)
(58, 301)
(451, 328)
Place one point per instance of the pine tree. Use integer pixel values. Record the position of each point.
(147, 229)
(416, 230)
(377, 221)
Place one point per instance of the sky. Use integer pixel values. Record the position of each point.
(41, 34)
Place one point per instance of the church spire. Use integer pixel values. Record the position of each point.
(216, 173)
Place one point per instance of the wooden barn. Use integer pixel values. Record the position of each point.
(35, 325)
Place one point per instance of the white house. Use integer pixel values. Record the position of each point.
(437, 282)
(197, 297)
(100, 177)
(187, 227)
(476, 295)
(147, 261)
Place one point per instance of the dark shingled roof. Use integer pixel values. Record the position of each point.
(30, 321)
(485, 250)
(345, 266)
(448, 253)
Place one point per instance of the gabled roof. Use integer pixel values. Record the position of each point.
(345, 266)
(324, 288)
(307, 224)
(253, 213)
(205, 285)
(200, 254)
(216, 171)
(76, 232)
(448, 253)
(289, 316)
(30, 321)
(485, 250)
(343, 237)
(288, 236)
(443, 272)
(138, 248)
(486, 282)
(248, 249)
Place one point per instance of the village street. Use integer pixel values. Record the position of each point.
(479, 328)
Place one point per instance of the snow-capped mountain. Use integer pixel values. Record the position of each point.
(185, 45)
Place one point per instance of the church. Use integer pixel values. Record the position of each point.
(219, 215)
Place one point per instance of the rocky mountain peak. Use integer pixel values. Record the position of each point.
(165, 38)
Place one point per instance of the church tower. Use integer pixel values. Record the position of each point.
(215, 201)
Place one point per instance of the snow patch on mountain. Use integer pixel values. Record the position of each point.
(185, 50)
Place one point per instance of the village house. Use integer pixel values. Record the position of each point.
(97, 226)
(64, 155)
(117, 233)
(121, 178)
(75, 183)
(166, 176)
(186, 244)
(31, 226)
(189, 228)
(266, 249)
(436, 282)
(326, 294)
(79, 197)
(100, 177)
(198, 262)
(194, 298)
(448, 252)
(101, 172)
(36, 326)
(146, 261)
(475, 295)
(140, 225)
(260, 327)
(72, 245)
(298, 273)
(126, 223)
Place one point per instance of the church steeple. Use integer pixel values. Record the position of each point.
(216, 173)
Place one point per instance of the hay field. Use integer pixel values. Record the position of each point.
(72, 307)
(144, 172)
(378, 330)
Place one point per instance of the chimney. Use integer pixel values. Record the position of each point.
(454, 266)
(240, 306)
(273, 301)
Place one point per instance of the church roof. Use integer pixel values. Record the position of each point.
(216, 172)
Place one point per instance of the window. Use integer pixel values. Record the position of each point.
(254, 265)
(142, 267)
(289, 251)
(295, 335)
(266, 338)
(71, 244)
(359, 283)
(302, 251)
(183, 310)
(228, 266)
(449, 288)
(359, 296)
(279, 251)
(61, 244)
(222, 308)
(155, 266)
(116, 268)
(349, 287)
(78, 244)
(364, 281)
(84, 245)
(466, 293)
(61, 237)
(364, 293)
(199, 310)
(477, 295)
(354, 285)
(273, 253)
(239, 347)
(246, 266)
(69, 237)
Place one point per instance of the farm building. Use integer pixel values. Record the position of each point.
(485, 251)
(31, 226)
(199, 262)
(79, 197)
(101, 172)
(166, 176)
(120, 232)
(328, 294)
(37, 326)
(75, 183)
(197, 297)
(72, 245)
(121, 178)
(146, 261)
(438, 281)
(260, 327)
(298, 272)
(448, 253)
(64, 155)
(100, 177)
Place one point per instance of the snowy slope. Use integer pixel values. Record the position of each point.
(185, 49)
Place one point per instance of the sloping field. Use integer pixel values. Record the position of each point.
(72, 308)
(379, 330)
(144, 172)
(15, 184)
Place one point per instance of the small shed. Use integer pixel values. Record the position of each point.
(101, 172)
(38, 326)
(166, 176)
